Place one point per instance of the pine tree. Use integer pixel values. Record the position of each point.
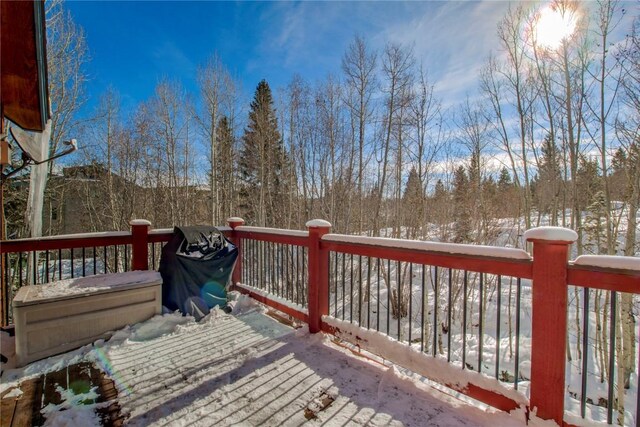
(548, 185)
(413, 202)
(263, 163)
(439, 204)
(461, 215)
(504, 181)
(595, 226)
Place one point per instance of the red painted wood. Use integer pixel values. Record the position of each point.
(549, 329)
(160, 237)
(604, 278)
(236, 276)
(29, 245)
(318, 286)
(491, 398)
(139, 247)
(482, 264)
(272, 237)
(303, 317)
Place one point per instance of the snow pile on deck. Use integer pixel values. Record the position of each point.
(248, 369)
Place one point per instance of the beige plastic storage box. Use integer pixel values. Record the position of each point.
(64, 315)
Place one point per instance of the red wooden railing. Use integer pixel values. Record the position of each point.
(549, 270)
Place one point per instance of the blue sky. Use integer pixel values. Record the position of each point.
(133, 44)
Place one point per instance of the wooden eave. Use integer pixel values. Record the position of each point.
(24, 94)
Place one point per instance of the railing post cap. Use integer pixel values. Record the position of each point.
(235, 220)
(318, 223)
(140, 222)
(551, 234)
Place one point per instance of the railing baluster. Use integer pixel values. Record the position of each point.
(35, 267)
(94, 261)
(499, 286)
(305, 277)
(281, 283)
(153, 255)
(422, 308)
(449, 324)
(612, 349)
(410, 299)
(351, 291)
(261, 283)
(84, 272)
(359, 290)
(71, 263)
(290, 273)
(20, 267)
(46, 266)
(378, 296)
(344, 285)
(104, 248)
(585, 350)
(388, 294)
(298, 276)
(399, 296)
(335, 284)
(464, 319)
(480, 325)
(435, 312)
(368, 292)
(59, 264)
(517, 358)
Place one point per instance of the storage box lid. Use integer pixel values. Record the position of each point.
(85, 286)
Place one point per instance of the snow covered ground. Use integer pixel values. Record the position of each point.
(248, 369)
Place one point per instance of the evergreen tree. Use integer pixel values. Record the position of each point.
(263, 163)
(413, 202)
(595, 225)
(461, 215)
(439, 203)
(504, 181)
(548, 185)
(588, 180)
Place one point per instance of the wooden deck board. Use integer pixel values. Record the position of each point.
(7, 410)
(24, 410)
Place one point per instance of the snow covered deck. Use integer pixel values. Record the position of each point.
(249, 369)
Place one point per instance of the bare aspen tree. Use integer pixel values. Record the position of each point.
(494, 88)
(359, 65)
(427, 137)
(218, 93)
(169, 130)
(67, 55)
(397, 63)
(515, 73)
(606, 78)
(474, 136)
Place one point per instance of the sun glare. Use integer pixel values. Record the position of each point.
(552, 27)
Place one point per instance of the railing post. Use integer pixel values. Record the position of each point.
(549, 319)
(318, 263)
(139, 244)
(234, 222)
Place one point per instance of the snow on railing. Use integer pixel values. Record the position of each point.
(609, 261)
(445, 248)
(277, 231)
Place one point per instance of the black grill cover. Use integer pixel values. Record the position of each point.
(195, 266)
